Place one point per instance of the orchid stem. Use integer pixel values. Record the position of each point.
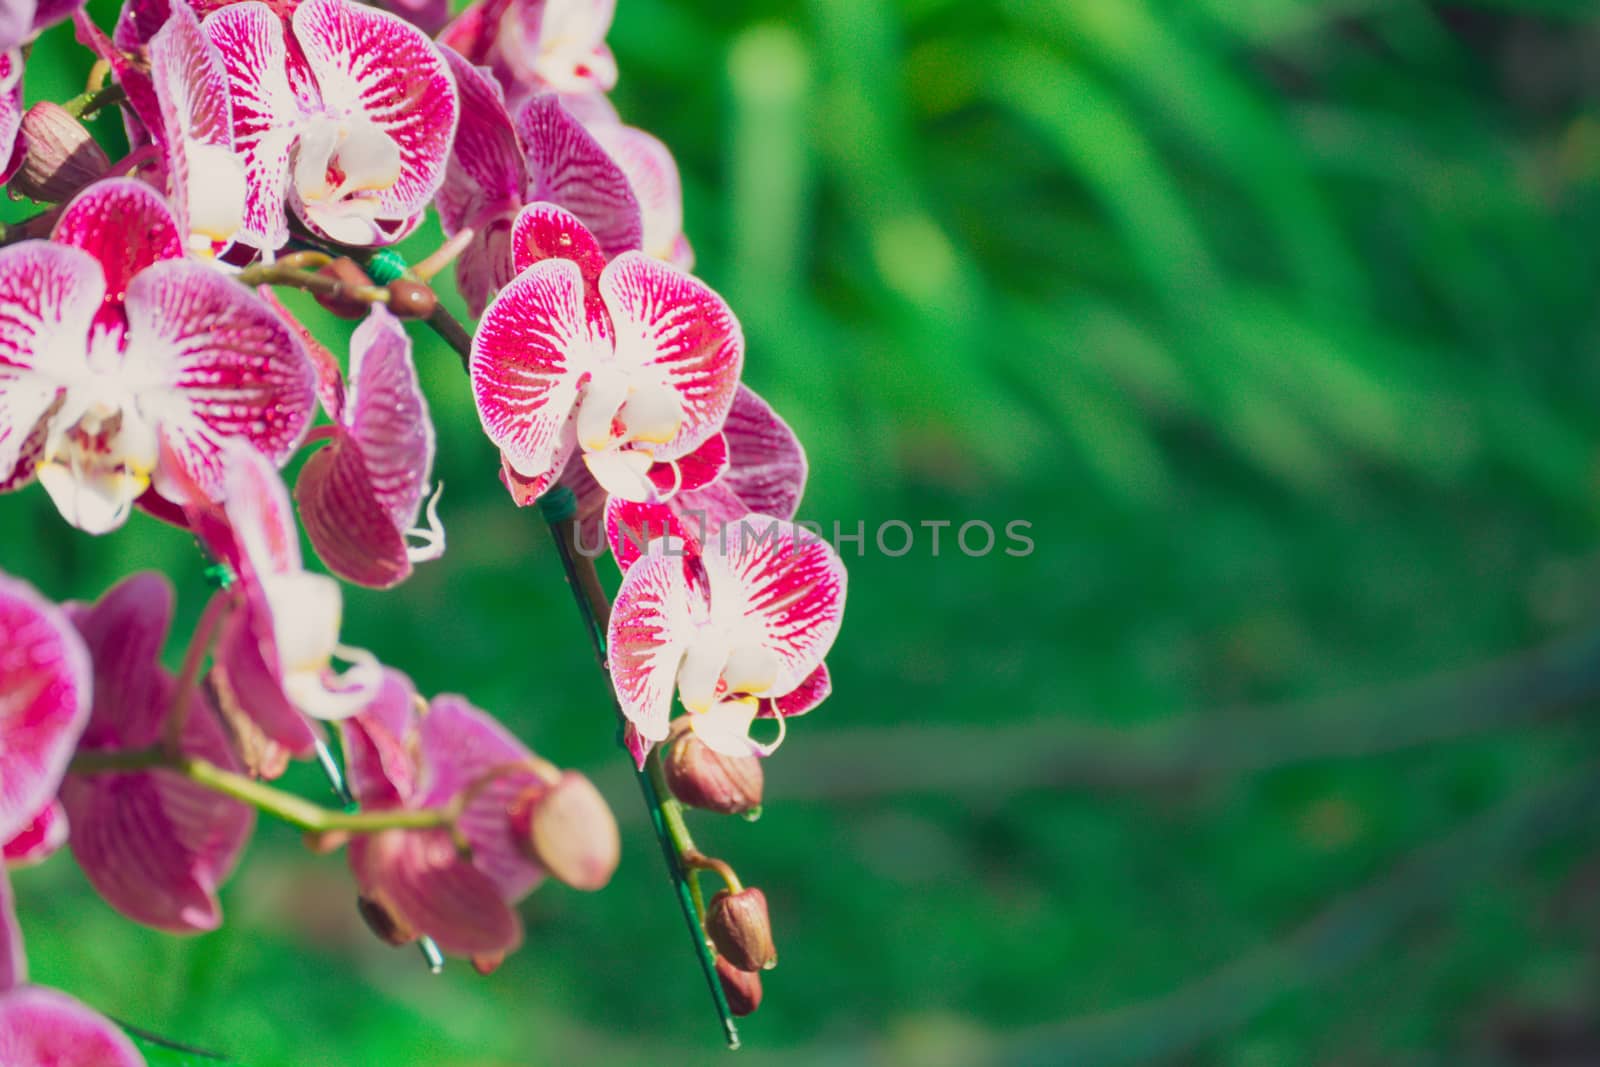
(296, 811)
(666, 816)
(86, 103)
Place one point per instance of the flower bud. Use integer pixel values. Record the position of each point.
(411, 300)
(384, 923)
(568, 829)
(348, 273)
(738, 925)
(705, 779)
(61, 156)
(742, 988)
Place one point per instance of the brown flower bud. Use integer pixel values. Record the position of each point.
(739, 926)
(348, 273)
(60, 155)
(411, 300)
(705, 779)
(384, 923)
(742, 988)
(568, 829)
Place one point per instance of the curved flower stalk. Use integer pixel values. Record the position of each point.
(276, 655)
(629, 369)
(537, 45)
(360, 497)
(745, 621)
(498, 165)
(345, 116)
(123, 368)
(461, 890)
(41, 1027)
(45, 684)
(155, 845)
(765, 474)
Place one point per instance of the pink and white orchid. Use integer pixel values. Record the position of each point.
(744, 621)
(537, 45)
(653, 176)
(45, 684)
(360, 497)
(497, 166)
(629, 366)
(122, 367)
(156, 845)
(346, 116)
(276, 656)
(41, 1027)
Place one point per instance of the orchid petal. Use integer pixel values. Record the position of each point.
(695, 471)
(813, 690)
(191, 86)
(653, 175)
(464, 745)
(568, 167)
(775, 586)
(381, 753)
(530, 348)
(419, 877)
(124, 632)
(44, 702)
(632, 525)
(250, 38)
(672, 325)
(487, 169)
(238, 372)
(651, 629)
(48, 297)
(766, 464)
(44, 1028)
(546, 231)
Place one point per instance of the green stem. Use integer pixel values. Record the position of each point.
(85, 104)
(296, 811)
(666, 816)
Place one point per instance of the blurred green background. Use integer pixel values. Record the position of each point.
(1277, 320)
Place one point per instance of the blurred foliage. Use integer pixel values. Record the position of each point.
(1275, 318)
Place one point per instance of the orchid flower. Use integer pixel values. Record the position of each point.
(419, 880)
(154, 844)
(765, 474)
(537, 45)
(630, 365)
(122, 368)
(746, 620)
(45, 683)
(345, 116)
(41, 1027)
(360, 497)
(275, 658)
(498, 165)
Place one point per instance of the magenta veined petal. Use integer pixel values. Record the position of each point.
(544, 231)
(359, 496)
(487, 169)
(653, 175)
(44, 1028)
(206, 178)
(375, 65)
(381, 745)
(631, 525)
(420, 879)
(45, 685)
(560, 44)
(266, 112)
(695, 471)
(238, 373)
(677, 327)
(652, 625)
(463, 744)
(817, 687)
(568, 167)
(532, 345)
(125, 225)
(11, 148)
(49, 295)
(779, 587)
(156, 846)
(766, 463)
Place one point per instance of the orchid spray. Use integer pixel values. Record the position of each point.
(149, 373)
